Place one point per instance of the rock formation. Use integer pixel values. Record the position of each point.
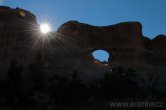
(16, 28)
(74, 42)
(124, 41)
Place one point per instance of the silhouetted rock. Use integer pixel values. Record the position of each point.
(146, 41)
(158, 43)
(124, 42)
(74, 43)
(17, 28)
(128, 34)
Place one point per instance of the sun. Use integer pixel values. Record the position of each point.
(44, 28)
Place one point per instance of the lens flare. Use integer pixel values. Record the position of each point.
(42, 35)
(44, 28)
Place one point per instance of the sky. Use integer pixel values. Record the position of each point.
(101, 55)
(151, 13)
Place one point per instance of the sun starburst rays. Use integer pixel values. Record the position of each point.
(40, 36)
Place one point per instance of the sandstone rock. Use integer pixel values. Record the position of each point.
(146, 41)
(124, 42)
(74, 43)
(17, 26)
(128, 34)
(119, 40)
(158, 43)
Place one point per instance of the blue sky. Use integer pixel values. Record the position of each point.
(151, 13)
(101, 55)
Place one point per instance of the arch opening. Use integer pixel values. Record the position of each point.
(101, 55)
